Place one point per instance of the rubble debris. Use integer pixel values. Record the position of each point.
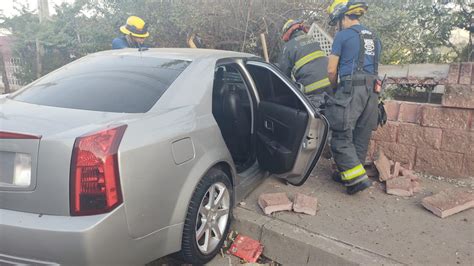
(273, 202)
(246, 248)
(400, 186)
(305, 204)
(449, 202)
(396, 169)
(383, 166)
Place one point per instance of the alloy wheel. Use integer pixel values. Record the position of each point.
(212, 217)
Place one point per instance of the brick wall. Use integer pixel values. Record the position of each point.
(435, 139)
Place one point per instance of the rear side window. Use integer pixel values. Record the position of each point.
(106, 83)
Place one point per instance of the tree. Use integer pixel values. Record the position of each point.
(411, 31)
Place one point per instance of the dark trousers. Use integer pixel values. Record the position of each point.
(352, 115)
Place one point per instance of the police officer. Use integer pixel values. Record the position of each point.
(303, 59)
(134, 33)
(352, 108)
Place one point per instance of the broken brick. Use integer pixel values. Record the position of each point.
(274, 202)
(449, 202)
(398, 152)
(408, 173)
(396, 170)
(383, 166)
(400, 186)
(305, 204)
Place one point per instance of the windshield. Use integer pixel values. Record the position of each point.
(107, 83)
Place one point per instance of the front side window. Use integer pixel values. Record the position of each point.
(106, 83)
(272, 88)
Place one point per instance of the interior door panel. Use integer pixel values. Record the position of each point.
(279, 131)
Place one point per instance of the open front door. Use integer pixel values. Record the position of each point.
(291, 134)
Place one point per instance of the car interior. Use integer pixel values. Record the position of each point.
(232, 110)
(280, 121)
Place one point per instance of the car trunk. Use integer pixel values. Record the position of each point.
(35, 154)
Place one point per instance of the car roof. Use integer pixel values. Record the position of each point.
(191, 54)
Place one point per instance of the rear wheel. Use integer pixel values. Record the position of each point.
(208, 218)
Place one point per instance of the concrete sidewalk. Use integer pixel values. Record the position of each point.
(370, 228)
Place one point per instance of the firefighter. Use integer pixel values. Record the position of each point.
(303, 59)
(134, 33)
(352, 109)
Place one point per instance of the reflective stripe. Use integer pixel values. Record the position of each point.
(317, 85)
(353, 173)
(306, 59)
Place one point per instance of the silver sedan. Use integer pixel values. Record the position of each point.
(126, 156)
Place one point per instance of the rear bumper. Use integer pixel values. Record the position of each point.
(89, 240)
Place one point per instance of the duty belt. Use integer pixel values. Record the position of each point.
(353, 81)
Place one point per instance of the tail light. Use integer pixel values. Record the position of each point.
(95, 180)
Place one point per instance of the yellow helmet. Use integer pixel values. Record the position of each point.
(136, 27)
(339, 8)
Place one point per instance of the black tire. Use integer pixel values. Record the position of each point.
(190, 251)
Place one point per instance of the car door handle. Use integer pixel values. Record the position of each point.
(268, 125)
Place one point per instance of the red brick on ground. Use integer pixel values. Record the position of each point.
(383, 166)
(458, 141)
(305, 204)
(460, 96)
(399, 186)
(465, 73)
(453, 74)
(396, 170)
(418, 136)
(449, 202)
(409, 112)
(441, 163)
(408, 173)
(392, 108)
(437, 116)
(398, 152)
(273, 202)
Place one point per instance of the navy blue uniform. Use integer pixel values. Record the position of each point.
(352, 110)
(346, 45)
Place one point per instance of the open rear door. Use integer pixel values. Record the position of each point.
(291, 133)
